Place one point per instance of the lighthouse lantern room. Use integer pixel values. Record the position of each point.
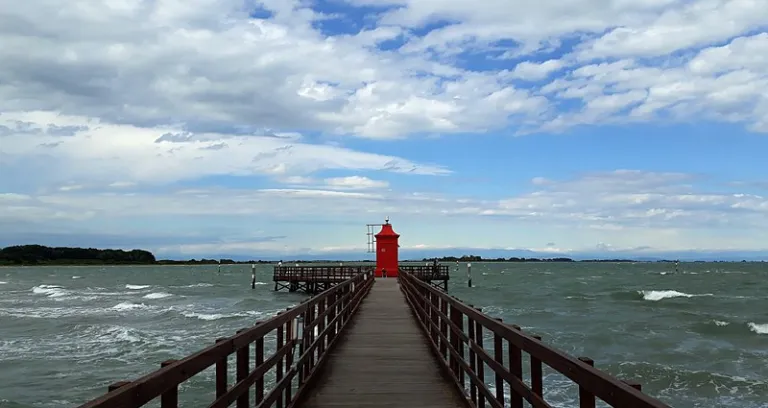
(386, 251)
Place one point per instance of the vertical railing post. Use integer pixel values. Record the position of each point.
(443, 326)
(311, 334)
(221, 373)
(586, 398)
(170, 398)
(472, 359)
(281, 361)
(433, 327)
(289, 359)
(498, 355)
(331, 316)
(516, 368)
(458, 344)
(537, 374)
(241, 371)
(321, 326)
(259, 361)
(304, 369)
(480, 365)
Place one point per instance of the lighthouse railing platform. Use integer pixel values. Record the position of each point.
(458, 333)
(435, 275)
(275, 361)
(314, 279)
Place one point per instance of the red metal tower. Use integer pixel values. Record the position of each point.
(386, 251)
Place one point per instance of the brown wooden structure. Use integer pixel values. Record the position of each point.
(314, 279)
(435, 275)
(406, 343)
(457, 334)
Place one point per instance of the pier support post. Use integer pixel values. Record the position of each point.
(469, 274)
(253, 276)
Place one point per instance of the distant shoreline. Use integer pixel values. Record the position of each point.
(39, 255)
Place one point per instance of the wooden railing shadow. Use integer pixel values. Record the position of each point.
(313, 327)
(455, 332)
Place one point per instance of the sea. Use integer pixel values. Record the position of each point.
(695, 337)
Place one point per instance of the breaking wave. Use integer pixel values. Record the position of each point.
(136, 287)
(51, 291)
(219, 316)
(656, 295)
(758, 328)
(716, 327)
(157, 295)
(129, 306)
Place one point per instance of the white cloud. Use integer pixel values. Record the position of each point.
(122, 155)
(210, 68)
(536, 71)
(355, 183)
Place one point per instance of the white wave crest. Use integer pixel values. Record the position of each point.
(656, 295)
(129, 306)
(157, 295)
(136, 287)
(51, 291)
(261, 283)
(758, 328)
(3, 283)
(217, 316)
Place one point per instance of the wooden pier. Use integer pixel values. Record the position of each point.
(314, 279)
(383, 357)
(435, 275)
(378, 343)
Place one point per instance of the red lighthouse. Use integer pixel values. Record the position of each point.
(386, 251)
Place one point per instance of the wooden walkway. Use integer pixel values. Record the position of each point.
(383, 360)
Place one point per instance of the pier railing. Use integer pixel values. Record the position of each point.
(312, 327)
(426, 272)
(456, 334)
(318, 273)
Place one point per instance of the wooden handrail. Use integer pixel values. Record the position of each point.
(427, 272)
(339, 273)
(451, 326)
(328, 312)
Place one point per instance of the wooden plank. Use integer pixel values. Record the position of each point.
(383, 360)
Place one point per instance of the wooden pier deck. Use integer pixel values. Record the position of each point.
(383, 360)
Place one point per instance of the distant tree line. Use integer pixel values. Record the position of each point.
(43, 255)
(475, 258)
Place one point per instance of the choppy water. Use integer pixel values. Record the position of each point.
(697, 338)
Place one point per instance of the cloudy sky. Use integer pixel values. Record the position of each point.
(284, 126)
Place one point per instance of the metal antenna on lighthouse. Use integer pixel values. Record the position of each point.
(372, 235)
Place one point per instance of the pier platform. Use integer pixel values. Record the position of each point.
(314, 279)
(383, 360)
